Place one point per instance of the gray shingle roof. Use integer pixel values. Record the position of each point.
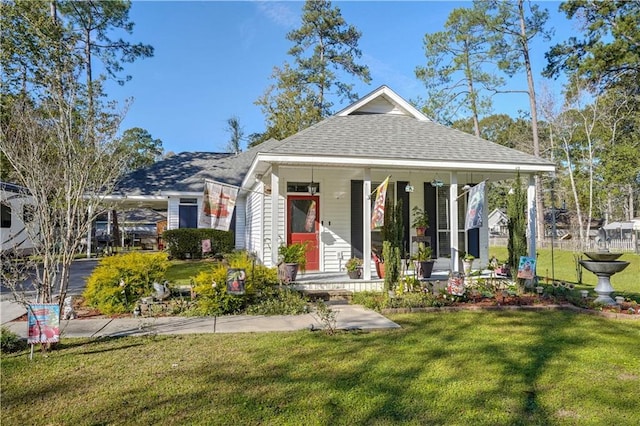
(397, 136)
(186, 172)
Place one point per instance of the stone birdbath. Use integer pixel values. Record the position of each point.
(604, 265)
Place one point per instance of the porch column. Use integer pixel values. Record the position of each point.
(275, 195)
(453, 221)
(366, 231)
(532, 215)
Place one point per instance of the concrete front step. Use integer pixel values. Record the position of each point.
(328, 295)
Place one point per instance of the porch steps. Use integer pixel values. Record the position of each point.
(328, 295)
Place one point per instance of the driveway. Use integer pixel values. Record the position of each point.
(80, 271)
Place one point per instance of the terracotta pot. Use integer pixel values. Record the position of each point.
(380, 269)
(420, 232)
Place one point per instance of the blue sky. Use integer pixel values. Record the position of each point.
(213, 59)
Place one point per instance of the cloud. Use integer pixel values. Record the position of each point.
(280, 13)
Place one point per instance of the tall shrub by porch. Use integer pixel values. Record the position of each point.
(517, 224)
(392, 233)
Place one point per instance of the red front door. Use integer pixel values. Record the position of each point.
(304, 226)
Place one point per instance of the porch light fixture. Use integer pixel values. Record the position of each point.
(437, 183)
(312, 186)
(408, 188)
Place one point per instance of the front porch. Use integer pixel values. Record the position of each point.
(335, 281)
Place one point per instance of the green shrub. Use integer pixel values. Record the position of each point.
(10, 342)
(279, 301)
(380, 300)
(211, 288)
(188, 241)
(374, 300)
(119, 281)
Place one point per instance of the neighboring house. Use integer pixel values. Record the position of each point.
(344, 158)
(498, 222)
(624, 230)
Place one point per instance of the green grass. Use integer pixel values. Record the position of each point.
(181, 271)
(458, 368)
(627, 281)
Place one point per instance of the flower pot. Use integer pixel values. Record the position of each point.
(420, 231)
(466, 266)
(426, 268)
(355, 274)
(288, 272)
(380, 269)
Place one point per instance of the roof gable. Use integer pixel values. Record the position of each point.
(382, 101)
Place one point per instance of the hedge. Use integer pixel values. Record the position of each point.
(188, 241)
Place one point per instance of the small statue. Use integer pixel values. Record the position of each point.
(68, 312)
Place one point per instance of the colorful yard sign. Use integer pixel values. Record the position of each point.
(236, 280)
(527, 267)
(43, 320)
(377, 218)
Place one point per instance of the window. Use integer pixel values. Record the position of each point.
(302, 187)
(5, 215)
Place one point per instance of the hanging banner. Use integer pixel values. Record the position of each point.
(475, 208)
(527, 267)
(43, 320)
(377, 217)
(218, 203)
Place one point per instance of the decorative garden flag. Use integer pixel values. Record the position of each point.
(217, 205)
(475, 209)
(236, 281)
(527, 267)
(377, 218)
(43, 320)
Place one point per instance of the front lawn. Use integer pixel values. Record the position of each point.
(564, 266)
(481, 368)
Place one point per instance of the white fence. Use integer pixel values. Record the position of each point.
(616, 245)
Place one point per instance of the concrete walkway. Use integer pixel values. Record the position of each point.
(349, 317)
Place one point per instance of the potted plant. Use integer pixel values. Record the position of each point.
(293, 257)
(376, 254)
(467, 262)
(354, 267)
(424, 262)
(420, 220)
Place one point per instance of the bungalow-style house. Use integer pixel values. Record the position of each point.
(318, 185)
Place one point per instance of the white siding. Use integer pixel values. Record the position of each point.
(254, 229)
(335, 216)
(240, 233)
(173, 213)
